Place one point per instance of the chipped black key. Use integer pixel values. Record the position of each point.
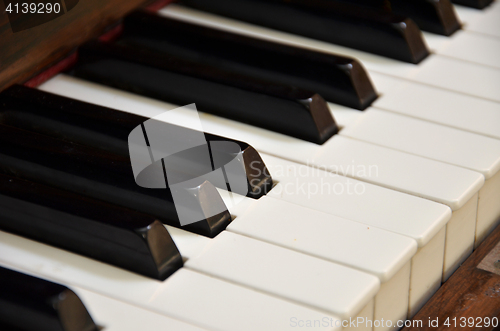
(106, 176)
(336, 78)
(358, 27)
(276, 107)
(31, 304)
(436, 16)
(109, 233)
(479, 4)
(109, 129)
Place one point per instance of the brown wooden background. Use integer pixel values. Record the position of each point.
(26, 53)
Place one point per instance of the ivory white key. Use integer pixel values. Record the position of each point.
(420, 219)
(332, 238)
(385, 254)
(426, 178)
(114, 315)
(437, 71)
(434, 105)
(188, 296)
(468, 46)
(485, 21)
(281, 272)
(439, 106)
(443, 107)
(430, 140)
(449, 145)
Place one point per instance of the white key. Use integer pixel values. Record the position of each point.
(438, 71)
(115, 315)
(468, 46)
(434, 105)
(384, 254)
(485, 21)
(281, 272)
(187, 295)
(417, 218)
(433, 141)
(430, 179)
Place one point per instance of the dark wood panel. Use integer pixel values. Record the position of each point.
(25, 53)
(469, 293)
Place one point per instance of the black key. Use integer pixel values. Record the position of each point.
(106, 176)
(108, 129)
(479, 4)
(119, 236)
(336, 78)
(344, 24)
(32, 304)
(436, 16)
(276, 107)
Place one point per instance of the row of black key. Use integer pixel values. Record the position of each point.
(336, 22)
(108, 130)
(66, 180)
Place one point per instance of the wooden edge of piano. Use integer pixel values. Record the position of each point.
(27, 53)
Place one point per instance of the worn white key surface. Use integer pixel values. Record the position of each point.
(285, 273)
(272, 269)
(434, 141)
(374, 206)
(369, 204)
(116, 315)
(438, 71)
(384, 254)
(332, 238)
(187, 295)
(434, 105)
(468, 46)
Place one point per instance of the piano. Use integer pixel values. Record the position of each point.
(368, 131)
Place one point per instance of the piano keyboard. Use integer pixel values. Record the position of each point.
(363, 224)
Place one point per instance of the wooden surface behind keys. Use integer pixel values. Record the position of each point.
(470, 296)
(26, 53)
